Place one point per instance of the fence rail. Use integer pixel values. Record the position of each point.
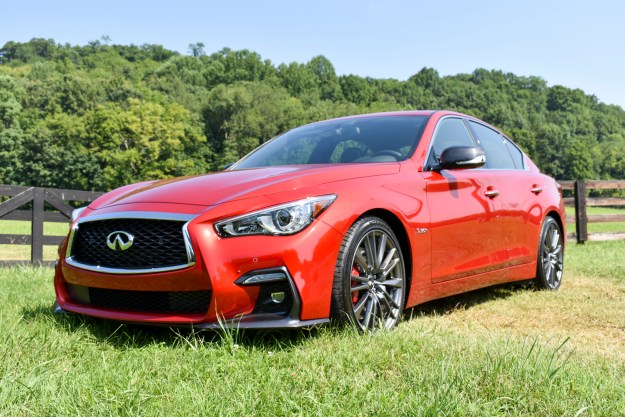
(581, 202)
(38, 198)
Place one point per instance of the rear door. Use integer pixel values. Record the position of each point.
(517, 206)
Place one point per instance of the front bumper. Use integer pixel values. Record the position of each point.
(307, 260)
(258, 321)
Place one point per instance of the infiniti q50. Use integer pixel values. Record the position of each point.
(352, 219)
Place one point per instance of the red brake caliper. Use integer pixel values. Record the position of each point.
(355, 295)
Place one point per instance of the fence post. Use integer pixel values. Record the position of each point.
(581, 218)
(36, 256)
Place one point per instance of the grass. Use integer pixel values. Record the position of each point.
(499, 351)
(17, 227)
(22, 252)
(599, 227)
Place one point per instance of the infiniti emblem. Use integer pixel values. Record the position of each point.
(119, 240)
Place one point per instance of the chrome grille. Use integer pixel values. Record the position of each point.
(157, 244)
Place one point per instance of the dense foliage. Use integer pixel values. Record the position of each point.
(99, 116)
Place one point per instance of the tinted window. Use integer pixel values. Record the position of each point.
(294, 152)
(360, 139)
(348, 151)
(449, 132)
(517, 155)
(497, 155)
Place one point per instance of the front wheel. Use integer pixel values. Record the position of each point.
(550, 256)
(370, 277)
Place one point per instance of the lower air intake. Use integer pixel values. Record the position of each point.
(169, 302)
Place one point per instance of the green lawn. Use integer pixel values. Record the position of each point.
(599, 227)
(493, 352)
(22, 252)
(15, 227)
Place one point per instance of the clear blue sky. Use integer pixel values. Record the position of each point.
(578, 44)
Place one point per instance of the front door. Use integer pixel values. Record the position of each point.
(464, 220)
(464, 226)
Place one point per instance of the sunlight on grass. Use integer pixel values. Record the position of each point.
(16, 227)
(598, 227)
(498, 351)
(22, 252)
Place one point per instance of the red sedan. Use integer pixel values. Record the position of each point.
(352, 219)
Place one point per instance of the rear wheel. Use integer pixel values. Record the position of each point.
(550, 256)
(369, 279)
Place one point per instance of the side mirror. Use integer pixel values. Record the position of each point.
(462, 157)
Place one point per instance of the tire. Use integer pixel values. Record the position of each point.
(369, 284)
(550, 263)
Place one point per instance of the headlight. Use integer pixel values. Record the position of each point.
(285, 219)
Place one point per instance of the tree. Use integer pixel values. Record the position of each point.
(298, 79)
(100, 115)
(327, 81)
(197, 49)
(358, 90)
(11, 135)
(144, 140)
(241, 116)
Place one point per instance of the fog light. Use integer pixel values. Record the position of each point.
(278, 297)
(275, 290)
(261, 277)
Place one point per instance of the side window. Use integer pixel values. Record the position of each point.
(497, 155)
(449, 132)
(517, 155)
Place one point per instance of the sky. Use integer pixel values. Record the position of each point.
(577, 44)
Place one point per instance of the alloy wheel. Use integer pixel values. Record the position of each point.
(377, 281)
(552, 255)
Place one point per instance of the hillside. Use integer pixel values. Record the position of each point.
(99, 116)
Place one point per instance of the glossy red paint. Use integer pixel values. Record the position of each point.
(456, 235)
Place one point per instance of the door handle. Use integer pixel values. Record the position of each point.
(536, 189)
(491, 193)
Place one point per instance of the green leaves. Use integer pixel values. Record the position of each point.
(100, 116)
(140, 140)
(241, 116)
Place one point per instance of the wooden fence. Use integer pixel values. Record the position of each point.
(37, 198)
(580, 201)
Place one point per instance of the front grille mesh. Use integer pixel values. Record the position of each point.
(170, 302)
(157, 244)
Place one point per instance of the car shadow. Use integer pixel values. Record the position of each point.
(130, 336)
(466, 300)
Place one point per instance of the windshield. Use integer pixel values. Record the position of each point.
(354, 140)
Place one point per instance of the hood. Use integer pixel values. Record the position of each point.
(211, 189)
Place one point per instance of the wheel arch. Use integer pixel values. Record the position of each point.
(550, 278)
(402, 236)
(556, 216)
